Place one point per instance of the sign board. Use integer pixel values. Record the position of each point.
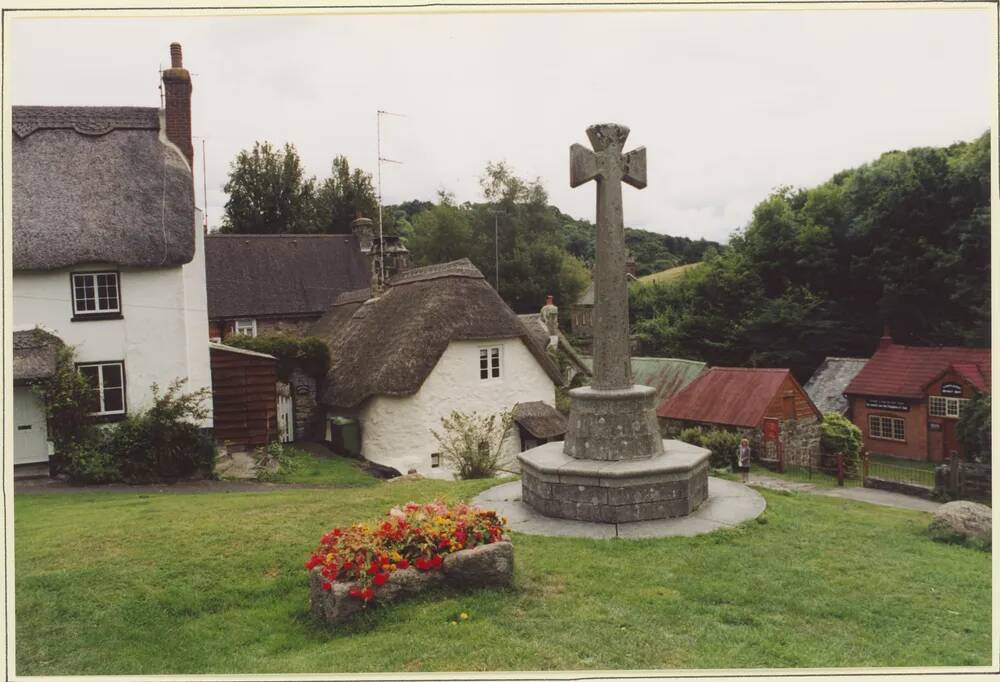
(934, 426)
(951, 388)
(887, 404)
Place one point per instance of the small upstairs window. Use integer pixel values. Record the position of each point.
(489, 363)
(96, 295)
(245, 327)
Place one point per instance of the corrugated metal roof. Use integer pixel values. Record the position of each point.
(733, 396)
(826, 386)
(666, 375)
(905, 371)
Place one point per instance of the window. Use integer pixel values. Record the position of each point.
(489, 363)
(435, 460)
(886, 428)
(939, 406)
(96, 293)
(245, 327)
(107, 379)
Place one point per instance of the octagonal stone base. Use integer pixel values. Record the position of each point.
(670, 484)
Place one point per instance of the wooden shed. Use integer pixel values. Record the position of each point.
(244, 396)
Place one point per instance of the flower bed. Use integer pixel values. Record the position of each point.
(416, 547)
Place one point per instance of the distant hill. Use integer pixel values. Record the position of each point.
(668, 275)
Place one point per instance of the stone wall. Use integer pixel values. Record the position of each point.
(307, 416)
(800, 438)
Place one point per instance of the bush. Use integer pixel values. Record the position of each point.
(90, 461)
(68, 399)
(974, 429)
(162, 443)
(310, 352)
(472, 443)
(838, 434)
(721, 442)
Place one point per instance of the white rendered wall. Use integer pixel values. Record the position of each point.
(163, 333)
(396, 432)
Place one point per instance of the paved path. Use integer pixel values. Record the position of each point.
(870, 495)
(728, 503)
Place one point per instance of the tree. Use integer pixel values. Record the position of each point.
(975, 429)
(342, 196)
(441, 234)
(268, 192)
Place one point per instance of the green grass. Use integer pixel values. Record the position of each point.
(133, 584)
(305, 468)
(803, 475)
(668, 275)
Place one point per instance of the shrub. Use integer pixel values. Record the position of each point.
(310, 352)
(414, 535)
(162, 443)
(721, 442)
(68, 400)
(838, 434)
(90, 461)
(975, 430)
(472, 444)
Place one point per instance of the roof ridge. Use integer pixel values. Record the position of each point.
(285, 235)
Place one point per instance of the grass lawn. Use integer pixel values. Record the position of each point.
(669, 275)
(130, 584)
(305, 468)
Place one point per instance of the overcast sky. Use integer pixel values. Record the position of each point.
(728, 104)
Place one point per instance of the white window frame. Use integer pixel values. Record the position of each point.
(252, 328)
(945, 407)
(100, 386)
(90, 279)
(493, 357)
(883, 421)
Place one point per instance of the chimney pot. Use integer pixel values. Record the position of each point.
(176, 60)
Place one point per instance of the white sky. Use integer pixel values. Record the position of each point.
(728, 104)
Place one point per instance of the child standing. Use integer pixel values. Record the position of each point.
(743, 459)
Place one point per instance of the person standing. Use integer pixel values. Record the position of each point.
(743, 459)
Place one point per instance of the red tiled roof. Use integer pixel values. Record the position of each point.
(734, 396)
(905, 371)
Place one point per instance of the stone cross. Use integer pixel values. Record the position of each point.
(609, 167)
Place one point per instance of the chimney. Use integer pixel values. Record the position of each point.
(177, 103)
(364, 229)
(630, 267)
(886, 339)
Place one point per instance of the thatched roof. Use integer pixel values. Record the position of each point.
(280, 274)
(35, 354)
(97, 185)
(389, 345)
(827, 384)
(540, 419)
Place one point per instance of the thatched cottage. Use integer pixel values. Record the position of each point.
(106, 252)
(438, 339)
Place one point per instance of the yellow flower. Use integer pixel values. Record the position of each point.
(464, 616)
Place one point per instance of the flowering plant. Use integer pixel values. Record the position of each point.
(417, 535)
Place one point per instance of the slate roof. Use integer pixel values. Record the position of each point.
(899, 371)
(390, 344)
(35, 354)
(827, 384)
(540, 419)
(732, 396)
(96, 185)
(280, 274)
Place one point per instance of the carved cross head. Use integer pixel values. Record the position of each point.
(607, 161)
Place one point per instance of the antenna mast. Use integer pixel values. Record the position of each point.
(381, 239)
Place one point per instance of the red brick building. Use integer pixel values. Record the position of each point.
(907, 399)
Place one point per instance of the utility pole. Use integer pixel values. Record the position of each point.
(496, 247)
(381, 240)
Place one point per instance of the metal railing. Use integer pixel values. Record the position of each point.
(899, 474)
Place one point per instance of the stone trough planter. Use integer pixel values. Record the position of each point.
(489, 565)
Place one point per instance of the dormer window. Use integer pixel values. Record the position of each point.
(96, 295)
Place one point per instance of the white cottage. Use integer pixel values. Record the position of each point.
(108, 254)
(438, 339)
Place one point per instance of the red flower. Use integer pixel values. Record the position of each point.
(327, 586)
(367, 593)
(355, 592)
(373, 568)
(313, 562)
(402, 564)
(380, 578)
(436, 562)
(422, 563)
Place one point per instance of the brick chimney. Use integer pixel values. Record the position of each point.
(177, 103)
(886, 339)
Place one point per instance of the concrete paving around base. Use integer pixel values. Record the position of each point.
(729, 503)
